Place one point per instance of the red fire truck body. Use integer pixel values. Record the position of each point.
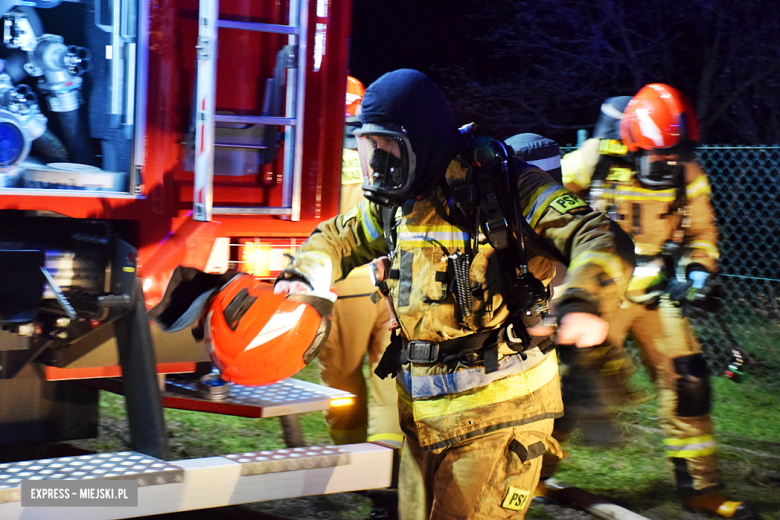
(136, 136)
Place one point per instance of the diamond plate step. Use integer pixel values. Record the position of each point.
(126, 465)
(290, 459)
(287, 397)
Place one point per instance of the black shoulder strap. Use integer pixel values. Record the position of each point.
(389, 225)
(502, 222)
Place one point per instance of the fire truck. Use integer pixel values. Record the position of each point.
(137, 136)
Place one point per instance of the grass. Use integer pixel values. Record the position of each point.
(197, 434)
(637, 474)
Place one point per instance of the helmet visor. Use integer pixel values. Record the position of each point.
(386, 161)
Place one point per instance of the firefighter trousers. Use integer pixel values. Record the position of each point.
(673, 357)
(490, 476)
(359, 326)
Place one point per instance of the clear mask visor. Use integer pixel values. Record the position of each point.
(386, 162)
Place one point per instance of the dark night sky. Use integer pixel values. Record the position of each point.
(548, 67)
(393, 34)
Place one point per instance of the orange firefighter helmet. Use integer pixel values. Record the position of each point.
(355, 92)
(256, 337)
(659, 118)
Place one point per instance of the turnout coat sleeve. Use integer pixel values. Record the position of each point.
(558, 226)
(701, 235)
(340, 244)
(600, 256)
(441, 404)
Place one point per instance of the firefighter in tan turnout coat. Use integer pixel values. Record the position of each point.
(645, 176)
(359, 326)
(477, 395)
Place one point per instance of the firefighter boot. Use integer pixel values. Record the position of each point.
(716, 504)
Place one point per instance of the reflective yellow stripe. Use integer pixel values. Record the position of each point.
(379, 437)
(369, 220)
(437, 244)
(512, 387)
(441, 228)
(612, 147)
(698, 186)
(637, 283)
(608, 262)
(431, 236)
(708, 247)
(619, 174)
(541, 200)
(644, 276)
(687, 454)
(690, 440)
(691, 447)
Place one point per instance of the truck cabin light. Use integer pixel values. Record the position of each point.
(264, 258)
(254, 257)
(341, 401)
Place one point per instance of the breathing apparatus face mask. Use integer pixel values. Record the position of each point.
(387, 163)
(660, 172)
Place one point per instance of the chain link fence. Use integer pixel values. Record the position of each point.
(746, 198)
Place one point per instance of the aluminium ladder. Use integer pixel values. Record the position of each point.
(206, 118)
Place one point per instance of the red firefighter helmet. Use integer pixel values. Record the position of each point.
(355, 92)
(659, 118)
(256, 337)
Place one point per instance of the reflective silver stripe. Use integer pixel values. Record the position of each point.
(700, 185)
(468, 379)
(642, 194)
(547, 164)
(691, 447)
(370, 224)
(611, 111)
(440, 236)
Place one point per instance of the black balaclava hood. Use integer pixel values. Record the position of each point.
(608, 123)
(410, 99)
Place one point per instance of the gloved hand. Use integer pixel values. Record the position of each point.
(581, 329)
(701, 293)
(292, 286)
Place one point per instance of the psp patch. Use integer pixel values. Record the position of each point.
(515, 499)
(567, 202)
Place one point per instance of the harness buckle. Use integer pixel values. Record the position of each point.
(496, 226)
(420, 351)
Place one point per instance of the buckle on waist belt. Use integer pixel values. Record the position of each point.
(420, 351)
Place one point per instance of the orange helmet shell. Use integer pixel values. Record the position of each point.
(355, 92)
(658, 117)
(256, 337)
